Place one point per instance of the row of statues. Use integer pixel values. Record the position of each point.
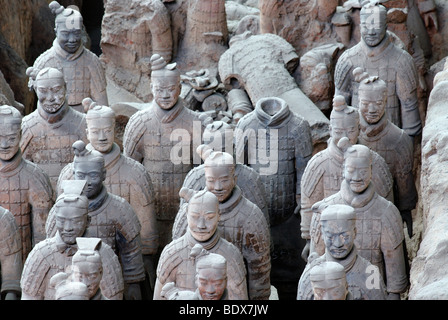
(193, 208)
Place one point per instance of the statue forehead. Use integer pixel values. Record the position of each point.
(357, 161)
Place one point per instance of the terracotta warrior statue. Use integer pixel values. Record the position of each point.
(125, 178)
(323, 174)
(379, 236)
(175, 264)
(377, 55)
(392, 143)
(152, 137)
(55, 254)
(240, 221)
(218, 136)
(329, 282)
(339, 229)
(112, 219)
(211, 278)
(49, 132)
(276, 142)
(26, 189)
(82, 69)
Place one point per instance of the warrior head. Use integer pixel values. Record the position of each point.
(373, 22)
(100, 125)
(68, 27)
(165, 82)
(10, 122)
(344, 121)
(329, 281)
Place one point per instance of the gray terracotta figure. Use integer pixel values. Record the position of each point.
(276, 142)
(161, 137)
(49, 132)
(241, 222)
(323, 174)
(82, 69)
(378, 55)
(67, 289)
(176, 265)
(339, 229)
(26, 189)
(218, 135)
(329, 281)
(11, 263)
(125, 177)
(55, 254)
(379, 235)
(211, 278)
(392, 143)
(112, 219)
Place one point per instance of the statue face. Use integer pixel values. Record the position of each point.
(372, 105)
(211, 283)
(101, 134)
(220, 181)
(339, 236)
(88, 273)
(166, 91)
(94, 173)
(373, 26)
(330, 289)
(71, 222)
(357, 173)
(51, 94)
(203, 220)
(9, 141)
(69, 36)
(344, 127)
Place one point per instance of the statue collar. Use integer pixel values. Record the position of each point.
(96, 203)
(12, 164)
(111, 157)
(167, 116)
(357, 200)
(275, 120)
(56, 117)
(207, 245)
(372, 130)
(348, 262)
(231, 203)
(66, 55)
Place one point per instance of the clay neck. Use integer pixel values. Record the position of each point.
(377, 51)
(167, 116)
(11, 164)
(98, 201)
(66, 55)
(272, 120)
(208, 244)
(348, 262)
(372, 130)
(111, 157)
(334, 151)
(56, 117)
(228, 205)
(354, 199)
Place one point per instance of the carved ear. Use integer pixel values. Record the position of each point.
(344, 144)
(186, 193)
(204, 151)
(88, 104)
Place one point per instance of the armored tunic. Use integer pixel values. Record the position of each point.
(394, 66)
(26, 192)
(52, 256)
(323, 176)
(293, 146)
(113, 220)
(379, 233)
(242, 223)
(176, 265)
(397, 148)
(247, 179)
(164, 142)
(83, 73)
(128, 179)
(357, 271)
(47, 139)
(10, 252)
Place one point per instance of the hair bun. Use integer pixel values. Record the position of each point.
(55, 7)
